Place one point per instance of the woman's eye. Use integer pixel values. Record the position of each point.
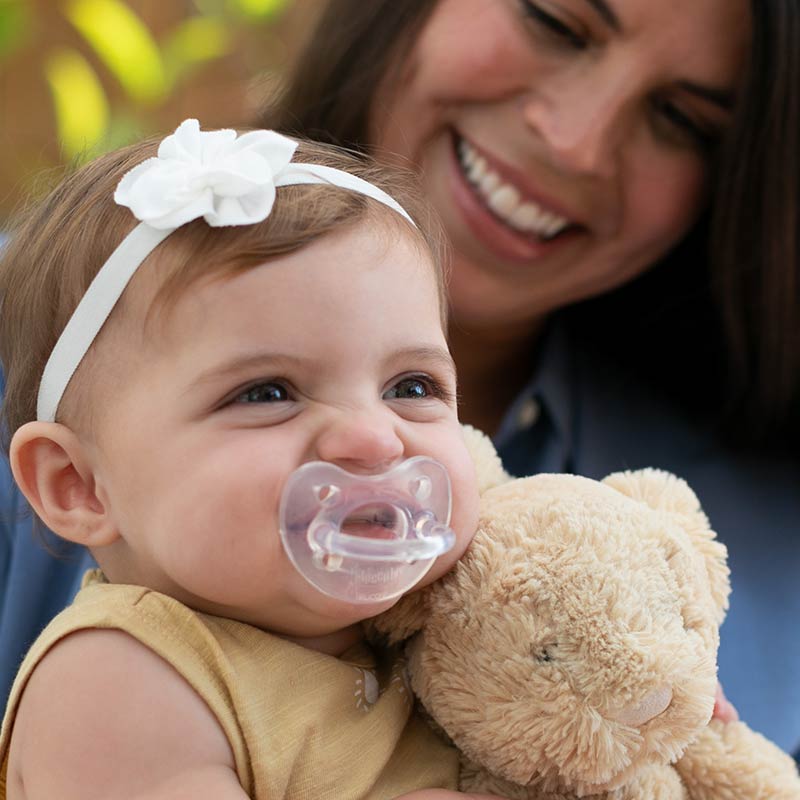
(684, 128)
(553, 25)
(269, 392)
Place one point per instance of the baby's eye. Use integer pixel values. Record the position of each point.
(267, 392)
(419, 387)
(408, 389)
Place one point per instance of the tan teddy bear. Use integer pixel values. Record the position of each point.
(572, 650)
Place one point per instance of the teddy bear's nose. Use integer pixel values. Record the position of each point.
(650, 707)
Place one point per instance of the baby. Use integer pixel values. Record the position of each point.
(272, 309)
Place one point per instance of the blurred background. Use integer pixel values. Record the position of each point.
(81, 76)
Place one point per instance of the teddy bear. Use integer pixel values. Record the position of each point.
(571, 652)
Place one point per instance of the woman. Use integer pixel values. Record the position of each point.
(569, 147)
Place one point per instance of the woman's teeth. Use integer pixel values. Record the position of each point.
(505, 200)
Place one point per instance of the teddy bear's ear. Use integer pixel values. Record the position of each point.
(401, 621)
(666, 492)
(488, 466)
(409, 614)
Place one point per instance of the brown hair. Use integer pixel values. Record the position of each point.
(59, 245)
(334, 82)
(755, 230)
(742, 260)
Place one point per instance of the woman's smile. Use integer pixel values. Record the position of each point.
(507, 200)
(502, 211)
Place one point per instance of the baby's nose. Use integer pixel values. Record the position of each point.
(361, 442)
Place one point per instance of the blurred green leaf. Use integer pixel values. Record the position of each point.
(123, 129)
(195, 41)
(81, 107)
(125, 45)
(248, 10)
(258, 9)
(14, 25)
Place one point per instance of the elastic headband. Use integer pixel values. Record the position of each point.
(224, 178)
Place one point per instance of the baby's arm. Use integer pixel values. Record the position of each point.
(103, 716)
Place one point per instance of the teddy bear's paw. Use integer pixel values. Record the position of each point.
(473, 778)
(730, 761)
(653, 782)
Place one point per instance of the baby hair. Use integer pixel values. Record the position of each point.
(58, 246)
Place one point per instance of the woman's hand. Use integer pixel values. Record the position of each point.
(724, 710)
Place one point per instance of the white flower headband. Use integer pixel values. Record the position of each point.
(224, 178)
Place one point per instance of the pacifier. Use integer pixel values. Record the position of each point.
(366, 538)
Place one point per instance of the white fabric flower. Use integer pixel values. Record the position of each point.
(224, 178)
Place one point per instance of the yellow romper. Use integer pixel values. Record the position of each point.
(300, 724)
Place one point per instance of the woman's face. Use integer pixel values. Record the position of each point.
(564, 143)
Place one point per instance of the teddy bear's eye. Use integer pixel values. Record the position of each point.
(544, 654)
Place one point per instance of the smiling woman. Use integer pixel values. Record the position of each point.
(619, 183)
(577, 129)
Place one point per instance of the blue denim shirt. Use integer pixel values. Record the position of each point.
(581, 415)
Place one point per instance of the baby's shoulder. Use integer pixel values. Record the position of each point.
(98, 685)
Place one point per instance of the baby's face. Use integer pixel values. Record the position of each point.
(333, 353)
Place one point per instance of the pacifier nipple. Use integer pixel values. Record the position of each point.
(366, 539)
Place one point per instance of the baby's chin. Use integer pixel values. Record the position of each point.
(329, 616)
(334, 644)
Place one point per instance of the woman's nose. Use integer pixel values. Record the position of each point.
(361, 442)
(582, 125)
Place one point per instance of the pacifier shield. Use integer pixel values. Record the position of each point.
(366, 538)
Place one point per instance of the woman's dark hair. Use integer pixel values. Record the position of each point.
(719, 319)
(754, 235)
(332, 87)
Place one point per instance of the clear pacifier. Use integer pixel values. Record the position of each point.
(366, 538)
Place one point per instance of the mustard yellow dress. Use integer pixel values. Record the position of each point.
(300, 724)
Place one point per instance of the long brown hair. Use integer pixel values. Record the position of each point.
(738, 270)
(334, 80)
(755, 229)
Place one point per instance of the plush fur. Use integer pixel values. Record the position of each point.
(572, 650)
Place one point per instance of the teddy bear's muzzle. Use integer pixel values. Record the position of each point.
(655, 703)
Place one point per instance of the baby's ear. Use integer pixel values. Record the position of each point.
(664, 491)
(401, 621)
(50, 467)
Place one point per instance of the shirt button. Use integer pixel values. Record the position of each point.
(528, 414)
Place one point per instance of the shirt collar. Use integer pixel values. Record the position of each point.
(550, 387)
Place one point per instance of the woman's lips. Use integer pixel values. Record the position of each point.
(500, 214)
(506, 198)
